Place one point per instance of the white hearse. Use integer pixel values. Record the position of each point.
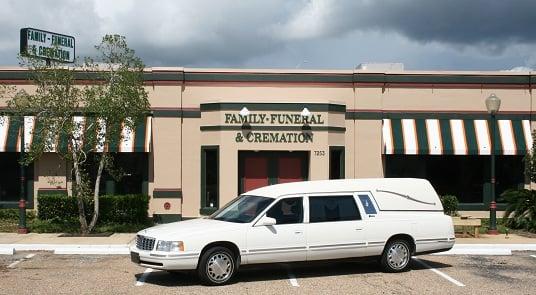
(389, 218)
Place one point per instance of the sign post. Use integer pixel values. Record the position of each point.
(48, 46)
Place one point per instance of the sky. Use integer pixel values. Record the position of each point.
(305, 34)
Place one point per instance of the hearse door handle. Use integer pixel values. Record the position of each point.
(298, 232)
(359, 228)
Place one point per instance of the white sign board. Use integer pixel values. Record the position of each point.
(47, 45)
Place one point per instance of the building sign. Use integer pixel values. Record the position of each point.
(274, 119)
(277, 137)
(47, 45)
(251, 136)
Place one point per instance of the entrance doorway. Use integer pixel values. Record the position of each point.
(258, 169)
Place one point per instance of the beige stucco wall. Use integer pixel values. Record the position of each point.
(175, 159)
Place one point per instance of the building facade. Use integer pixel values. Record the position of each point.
(215, 133)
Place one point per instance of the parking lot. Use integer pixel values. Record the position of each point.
(46, 273)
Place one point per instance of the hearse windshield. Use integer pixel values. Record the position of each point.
(242, 209)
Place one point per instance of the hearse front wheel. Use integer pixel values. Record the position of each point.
(396, 256)
(217, 266)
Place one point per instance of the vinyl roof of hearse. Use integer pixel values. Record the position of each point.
(391, 194)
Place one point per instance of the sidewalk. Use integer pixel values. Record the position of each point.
(118, 244)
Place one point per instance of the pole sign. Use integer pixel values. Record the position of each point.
(47, 45)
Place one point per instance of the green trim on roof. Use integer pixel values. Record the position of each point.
(268, 77)
(181, 76)
(163, 76)
(237, 106)
(456, 79)
(272, 128)
(176, 113)
(169, 194)
(445, 115)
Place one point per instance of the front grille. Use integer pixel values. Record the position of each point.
(144, 243)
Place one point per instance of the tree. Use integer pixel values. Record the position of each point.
(79, 120)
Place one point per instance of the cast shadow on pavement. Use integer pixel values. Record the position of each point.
(280, 271)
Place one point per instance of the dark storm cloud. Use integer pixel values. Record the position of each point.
(457, 22)
(231, 33)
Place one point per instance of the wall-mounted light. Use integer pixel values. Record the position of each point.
(244, 112)
(306, 113)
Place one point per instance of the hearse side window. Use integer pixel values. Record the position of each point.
(334, 208)
(287, 211)
(367, 204)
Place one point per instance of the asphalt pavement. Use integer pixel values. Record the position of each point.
(46, 273)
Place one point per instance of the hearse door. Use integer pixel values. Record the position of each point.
(283, 241)
(335, 228)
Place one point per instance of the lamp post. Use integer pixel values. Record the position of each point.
(493, 103)
(22, 202)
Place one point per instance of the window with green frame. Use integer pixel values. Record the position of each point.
(210, 191)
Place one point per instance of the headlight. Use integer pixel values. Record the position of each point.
(169, 246)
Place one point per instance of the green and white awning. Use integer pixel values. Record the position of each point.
(138, 140)
(455, 137)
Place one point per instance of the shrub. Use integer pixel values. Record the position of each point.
(121, 209)
(521, 209)
(450, 204)
(13, 214)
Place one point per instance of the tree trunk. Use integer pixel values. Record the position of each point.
(96, 193)
(79, 195)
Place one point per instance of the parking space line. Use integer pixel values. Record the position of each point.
(291, 277)
(533, 256)
(12, 265)
(143, 277)
(442, 274)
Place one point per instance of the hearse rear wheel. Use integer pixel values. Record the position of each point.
(396, 256)
(217, 266)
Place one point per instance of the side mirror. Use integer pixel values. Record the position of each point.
(266, 221)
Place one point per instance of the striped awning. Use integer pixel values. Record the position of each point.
(138, 140)
(455, 137)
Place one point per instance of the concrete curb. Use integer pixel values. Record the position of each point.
(487, 249)
(123, 249)
(112, 249)
(7, 250)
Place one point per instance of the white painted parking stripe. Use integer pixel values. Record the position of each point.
(291, 277)
(442, 274)
(143, 277)
(12, 265)
(292, 280)
(533, 256)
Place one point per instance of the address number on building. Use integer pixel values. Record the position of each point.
(320, 153)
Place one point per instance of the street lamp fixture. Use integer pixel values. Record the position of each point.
(493, 103)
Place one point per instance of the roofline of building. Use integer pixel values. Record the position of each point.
(13, 75)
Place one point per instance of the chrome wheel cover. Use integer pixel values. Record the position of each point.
(220, 267)
(398, 255)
